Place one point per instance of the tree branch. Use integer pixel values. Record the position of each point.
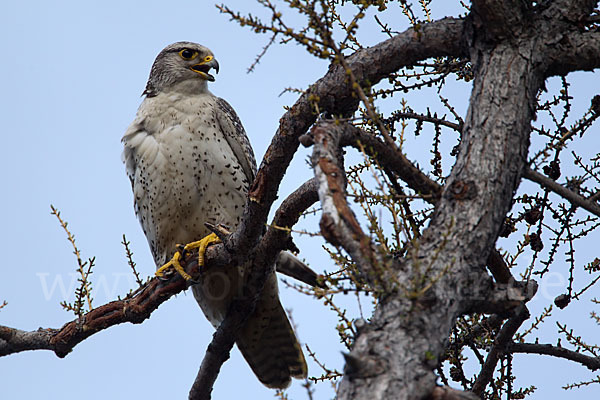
(502, 298)
(572, 50)
(572, 11)
(500, 345)
(426, 118)
(338, 222)
(134, 309)
(562, 191)
(592, 363)
(336, 96)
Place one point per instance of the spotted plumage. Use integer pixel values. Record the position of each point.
(190, 162)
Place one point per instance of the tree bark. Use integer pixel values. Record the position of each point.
(407, 334)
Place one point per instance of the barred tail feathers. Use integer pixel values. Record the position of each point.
(269, 344)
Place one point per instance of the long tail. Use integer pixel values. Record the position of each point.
(269, 344)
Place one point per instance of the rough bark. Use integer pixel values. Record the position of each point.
(407, 335)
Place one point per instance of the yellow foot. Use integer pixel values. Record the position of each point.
(175, 264)
(201, 245)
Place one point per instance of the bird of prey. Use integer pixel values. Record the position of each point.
(190, 162)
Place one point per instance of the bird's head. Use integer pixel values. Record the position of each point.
(180, 62)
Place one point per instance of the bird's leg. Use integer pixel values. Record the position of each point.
(201, 245)
(175, 264)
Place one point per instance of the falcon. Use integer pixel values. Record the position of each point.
(190, 162)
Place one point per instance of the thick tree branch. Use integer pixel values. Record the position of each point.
(335, 95)
(571, 11)
(572, 50)
(502, 298)
(15, 340)
(593, 363)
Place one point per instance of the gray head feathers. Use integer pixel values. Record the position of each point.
(179, 62)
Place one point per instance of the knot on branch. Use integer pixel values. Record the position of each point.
(462, 190)
(361, 367)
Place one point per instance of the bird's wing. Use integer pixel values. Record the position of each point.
(234, 133)
(290, 265)
(131, 139)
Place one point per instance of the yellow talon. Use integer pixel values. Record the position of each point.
(201, 245)
(175, 264)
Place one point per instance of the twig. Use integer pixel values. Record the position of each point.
(130, 262)
(85, 289)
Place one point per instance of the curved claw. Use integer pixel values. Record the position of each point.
(175, 264)
(201, 245)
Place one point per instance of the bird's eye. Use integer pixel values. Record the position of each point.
(208, 58)
(188, 54)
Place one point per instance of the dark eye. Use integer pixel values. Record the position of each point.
(188, 54)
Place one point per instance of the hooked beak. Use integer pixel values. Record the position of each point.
(203, 68)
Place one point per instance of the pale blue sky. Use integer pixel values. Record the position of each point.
(71, 76)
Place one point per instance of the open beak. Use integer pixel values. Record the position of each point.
(203, 68)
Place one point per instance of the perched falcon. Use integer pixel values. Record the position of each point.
(190, 162)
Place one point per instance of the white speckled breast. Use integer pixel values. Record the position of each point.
(185, 173)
